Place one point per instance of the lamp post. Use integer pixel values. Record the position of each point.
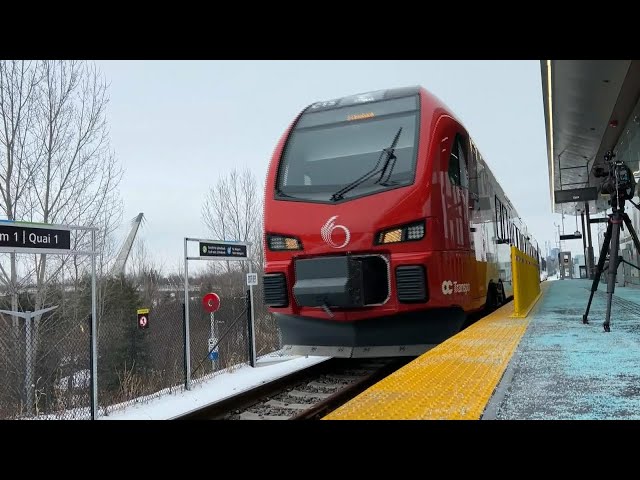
(559, 238)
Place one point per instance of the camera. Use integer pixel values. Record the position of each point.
(620, 183)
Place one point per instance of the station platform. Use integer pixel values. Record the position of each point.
(548, 365)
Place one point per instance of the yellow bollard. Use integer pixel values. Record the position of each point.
(526, 282)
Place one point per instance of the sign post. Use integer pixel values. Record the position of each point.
(211, 304)
(44, 238)
(211, 250)
(252, 280)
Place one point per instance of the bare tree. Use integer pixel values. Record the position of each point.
(77, 176)
(57, 166)
(233, 211)
(19, 81)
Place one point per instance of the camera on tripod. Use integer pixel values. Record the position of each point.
(620, 183)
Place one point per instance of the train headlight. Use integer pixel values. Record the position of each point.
(405, 233)
(281, 242)
(415, 231)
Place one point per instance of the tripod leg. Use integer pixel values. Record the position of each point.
(613, 267)
(599, 269)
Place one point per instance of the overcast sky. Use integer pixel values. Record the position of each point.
(177, 125)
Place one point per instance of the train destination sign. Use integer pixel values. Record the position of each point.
(223, 250)
(20, 235)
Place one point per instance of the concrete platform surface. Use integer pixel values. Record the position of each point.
(563, 369)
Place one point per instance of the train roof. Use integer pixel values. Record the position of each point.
(365, 97)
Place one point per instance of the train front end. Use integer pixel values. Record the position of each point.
(350, 268)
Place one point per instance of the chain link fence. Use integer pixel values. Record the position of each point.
(45, 359)
(229, 333)
(134, 364)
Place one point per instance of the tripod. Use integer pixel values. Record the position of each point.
(612, 239)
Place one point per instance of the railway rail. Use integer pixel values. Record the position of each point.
(303, 395)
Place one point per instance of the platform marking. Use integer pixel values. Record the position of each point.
(454, 380)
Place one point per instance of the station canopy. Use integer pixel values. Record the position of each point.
(590, 107)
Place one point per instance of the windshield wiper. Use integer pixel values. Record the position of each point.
(390, 163)
(387, 154)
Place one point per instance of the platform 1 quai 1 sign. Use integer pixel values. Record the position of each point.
(21, 235)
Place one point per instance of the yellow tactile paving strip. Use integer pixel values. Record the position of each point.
(454, 380)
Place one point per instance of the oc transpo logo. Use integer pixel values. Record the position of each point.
(329, 234)
(448, 287)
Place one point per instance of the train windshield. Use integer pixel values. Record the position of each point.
(331, 149)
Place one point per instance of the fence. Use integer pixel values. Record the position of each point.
(134, 364)
(44, 360)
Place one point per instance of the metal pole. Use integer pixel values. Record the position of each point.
(28, 377)
(94, 332)
(213, 339)
(559, 239)
(252, 323)
(187, 342)
(590, 259)
(584, 245)
(584, 234)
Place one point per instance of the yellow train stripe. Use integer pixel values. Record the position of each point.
(454, 380)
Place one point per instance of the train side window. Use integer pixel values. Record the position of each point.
(503, 220)
(458, 167)
(464, 170)
(454, 164)
(474, 187)
(498, 219)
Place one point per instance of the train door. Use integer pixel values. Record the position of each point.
(457, 220)
(457, 198)
(477, 234)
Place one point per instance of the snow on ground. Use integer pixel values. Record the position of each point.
(220, 387)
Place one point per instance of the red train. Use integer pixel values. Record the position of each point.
(384, 227)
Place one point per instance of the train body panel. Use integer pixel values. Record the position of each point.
(380, 206)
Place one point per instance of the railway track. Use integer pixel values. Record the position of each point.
(304, 395)
(310, 393)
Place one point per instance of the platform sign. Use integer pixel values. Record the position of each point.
(252, 279)
(19, 235)
(223, 250)
(143, 318)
